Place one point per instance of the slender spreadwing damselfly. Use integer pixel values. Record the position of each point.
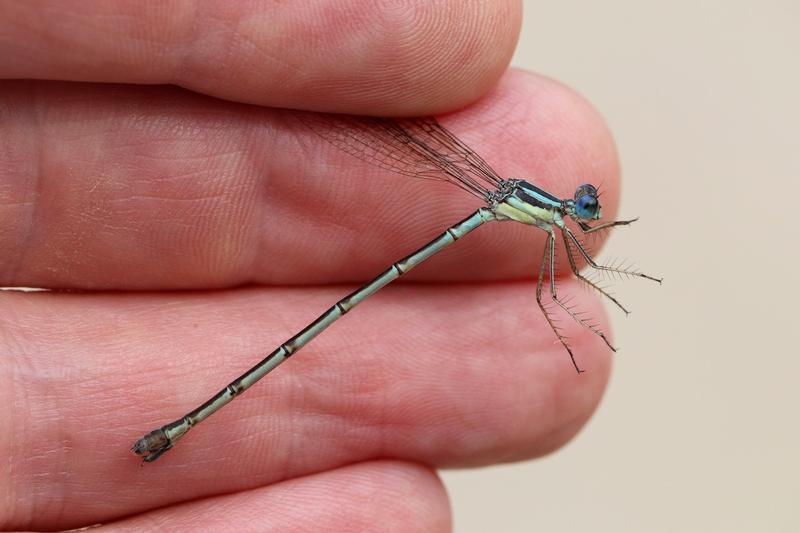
(422, 148)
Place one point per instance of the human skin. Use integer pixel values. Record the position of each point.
(196, 227)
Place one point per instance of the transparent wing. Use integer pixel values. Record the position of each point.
(417, 147)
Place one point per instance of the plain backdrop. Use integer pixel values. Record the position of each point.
(699, 429)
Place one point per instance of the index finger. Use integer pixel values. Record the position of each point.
(126, 188)
(357, 56)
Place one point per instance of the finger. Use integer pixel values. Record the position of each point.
(154, 189)
(412, 57)
(457, 375)
(374, 496)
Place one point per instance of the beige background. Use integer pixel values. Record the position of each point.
(699, 429)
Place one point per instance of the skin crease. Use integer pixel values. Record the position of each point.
(201, 232)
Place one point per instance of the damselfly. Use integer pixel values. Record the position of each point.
(422, 148)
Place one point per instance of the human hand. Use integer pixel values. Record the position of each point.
(206, 232)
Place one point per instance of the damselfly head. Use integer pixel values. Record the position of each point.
(586, 205)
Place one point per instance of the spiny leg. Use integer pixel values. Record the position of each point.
(604, 268)
(548, 246)
(551, 242)
(591, 229)
(575, 270)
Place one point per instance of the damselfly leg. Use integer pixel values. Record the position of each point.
(569, 235)
(546, 260)
(576, 271)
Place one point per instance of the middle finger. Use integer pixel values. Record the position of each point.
(449, 376)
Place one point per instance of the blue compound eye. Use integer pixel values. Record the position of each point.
(586, 204)
(586, 207)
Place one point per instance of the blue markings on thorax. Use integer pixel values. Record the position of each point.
(535, 196)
